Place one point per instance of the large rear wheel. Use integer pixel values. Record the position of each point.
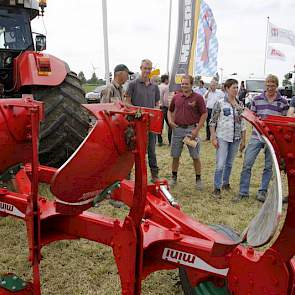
(66, 122)
(207, 287)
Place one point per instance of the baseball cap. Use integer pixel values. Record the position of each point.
(122, 67)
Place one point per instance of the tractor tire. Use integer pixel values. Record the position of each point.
(66, 122)
(207, 287)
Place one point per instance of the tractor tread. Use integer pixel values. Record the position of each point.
(66, 122)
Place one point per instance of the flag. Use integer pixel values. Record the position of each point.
(273, 53)
(279, 35)
(207, 43)
(186, 38)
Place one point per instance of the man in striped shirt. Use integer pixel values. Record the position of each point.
(269, 102)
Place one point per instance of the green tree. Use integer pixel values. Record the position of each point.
(93, 79)
(82, 77)
(101, 82)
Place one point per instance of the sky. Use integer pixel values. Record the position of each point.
(138, 29)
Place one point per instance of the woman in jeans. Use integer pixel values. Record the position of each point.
(228, 133)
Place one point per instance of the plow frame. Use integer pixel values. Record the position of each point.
(155, 235)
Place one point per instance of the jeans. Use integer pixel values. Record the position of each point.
(253, 148)
(152, 154)
(225, 155)
(208, 133)
(165, 117)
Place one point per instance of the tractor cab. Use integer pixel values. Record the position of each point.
(26, 70)
(16, 37)
(15, 30)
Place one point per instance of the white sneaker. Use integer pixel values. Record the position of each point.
(199, 185)
(172, 181)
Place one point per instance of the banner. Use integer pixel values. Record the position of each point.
(273, 53)
(186, 38)
(207, 43)
(279, 35)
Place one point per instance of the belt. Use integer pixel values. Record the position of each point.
(186, 126)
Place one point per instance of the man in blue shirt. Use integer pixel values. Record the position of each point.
(201, 89)
(270, 102)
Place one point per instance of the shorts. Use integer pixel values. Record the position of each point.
(178, 134)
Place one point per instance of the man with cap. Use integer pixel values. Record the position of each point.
(114, 91)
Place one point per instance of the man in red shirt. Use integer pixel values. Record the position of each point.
(187, 114)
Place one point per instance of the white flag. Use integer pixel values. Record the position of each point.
(275, 54)
(279, 35)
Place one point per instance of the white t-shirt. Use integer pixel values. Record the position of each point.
(164, 94)
(213, 97)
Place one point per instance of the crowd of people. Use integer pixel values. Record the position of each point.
(190, 109)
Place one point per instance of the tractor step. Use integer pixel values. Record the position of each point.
(12, 284)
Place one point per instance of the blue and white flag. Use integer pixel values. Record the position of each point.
(207, 43)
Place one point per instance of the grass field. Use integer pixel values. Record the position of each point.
(84, 267)
(89, 87)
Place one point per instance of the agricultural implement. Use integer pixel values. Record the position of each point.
(156, 234)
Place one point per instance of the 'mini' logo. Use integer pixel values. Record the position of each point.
(178, 256)
(10, 209)
(191, 260)
(6, 207)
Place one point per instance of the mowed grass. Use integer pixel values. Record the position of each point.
(89, 87)
(85, 267)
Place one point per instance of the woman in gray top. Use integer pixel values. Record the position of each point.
(228, 133)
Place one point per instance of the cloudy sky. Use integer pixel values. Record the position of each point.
(138, 29)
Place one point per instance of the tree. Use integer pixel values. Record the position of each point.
(82, 77)
(101, 82)
(93, 79)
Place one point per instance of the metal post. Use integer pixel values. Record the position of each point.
(221, 75)
(266, 46)
(106, 43)
(169, 34)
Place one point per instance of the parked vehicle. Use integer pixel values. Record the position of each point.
(254, 87)
(95, 95)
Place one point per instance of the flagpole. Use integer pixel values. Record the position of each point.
(106, 44)
(266, 46)
(169, 34)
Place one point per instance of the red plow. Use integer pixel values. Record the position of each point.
(156, 234)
